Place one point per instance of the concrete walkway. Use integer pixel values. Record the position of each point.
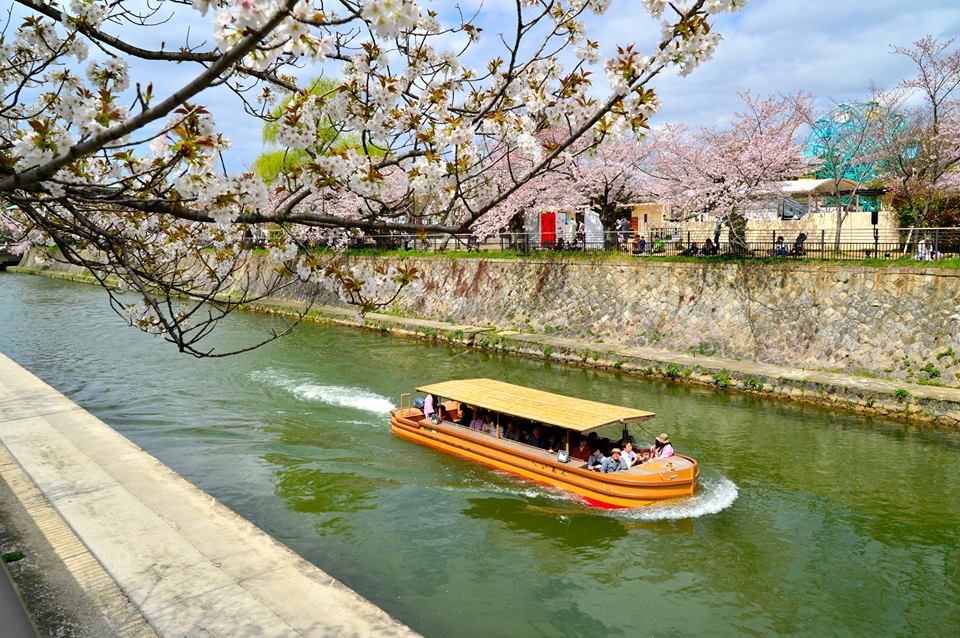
(191, 566)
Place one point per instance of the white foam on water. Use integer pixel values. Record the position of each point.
(713, 496)
(523, 488)
(337, 395)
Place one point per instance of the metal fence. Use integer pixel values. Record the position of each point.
(855, 244)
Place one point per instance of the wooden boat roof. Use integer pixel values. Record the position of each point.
(578, 415)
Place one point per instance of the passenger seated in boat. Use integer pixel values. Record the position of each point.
(593, 441)
(552, 443)
(614, 463)
(582, 450)
(466, 415)
(596, 461)
(488, 425)
(476, 423)
(629, 454)
(512, 432)
(536, 437)
(605, 446)
(660, 449)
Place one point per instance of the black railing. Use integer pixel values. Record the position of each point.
(921, 244)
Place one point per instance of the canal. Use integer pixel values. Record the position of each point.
(809, 522)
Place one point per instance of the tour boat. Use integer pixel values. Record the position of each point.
(653, 481)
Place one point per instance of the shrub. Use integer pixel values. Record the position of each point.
(901, 394)
(721, 379)
(931, 371)
(672, 371)
(547, 351)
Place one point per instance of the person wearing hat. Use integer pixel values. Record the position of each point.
(615, 462)
(661, 447)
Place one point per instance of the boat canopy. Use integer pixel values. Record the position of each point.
(578, 415)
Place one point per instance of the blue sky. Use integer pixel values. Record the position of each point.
(832, 48)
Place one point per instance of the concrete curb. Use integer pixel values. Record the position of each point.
(16, 622)
(190, 566)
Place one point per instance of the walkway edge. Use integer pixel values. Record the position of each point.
(110, 603)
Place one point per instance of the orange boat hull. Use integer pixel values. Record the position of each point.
(653, 482)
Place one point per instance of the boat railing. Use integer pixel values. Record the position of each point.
(409, 400)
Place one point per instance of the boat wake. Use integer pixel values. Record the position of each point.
(336, 395)
(525, 489)
(713, 496)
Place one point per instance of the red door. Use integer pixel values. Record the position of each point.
(548, 229)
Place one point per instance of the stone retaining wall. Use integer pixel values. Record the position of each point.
(899, 323)
(896, 322)
(797, 331)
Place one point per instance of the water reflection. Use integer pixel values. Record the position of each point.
(572, 528)
(312, 490)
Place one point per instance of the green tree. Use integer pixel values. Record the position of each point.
(270, 164)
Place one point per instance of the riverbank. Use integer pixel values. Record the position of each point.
(932, 405)
(866, 393)
(151, 552)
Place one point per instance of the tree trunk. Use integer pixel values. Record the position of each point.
(737, 232)
(836, 233)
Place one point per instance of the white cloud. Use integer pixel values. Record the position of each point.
(830, 48)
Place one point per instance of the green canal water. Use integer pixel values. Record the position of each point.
(809, 523)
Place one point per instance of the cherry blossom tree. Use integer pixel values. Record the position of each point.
(848, 142)
(921, 158)
(131, 184)
(720, 172)
(611, 177)
(605, 176)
